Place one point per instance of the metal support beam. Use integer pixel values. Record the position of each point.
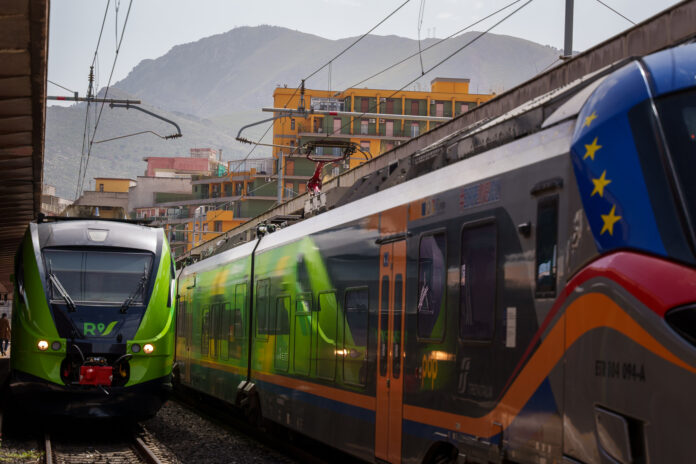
(93, 100)
(568, 42)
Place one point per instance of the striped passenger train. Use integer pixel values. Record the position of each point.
(530, 299)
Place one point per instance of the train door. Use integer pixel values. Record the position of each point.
(389, 361)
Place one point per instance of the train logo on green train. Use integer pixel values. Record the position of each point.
(98, 329)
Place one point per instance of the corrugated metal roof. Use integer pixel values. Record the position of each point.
(23, 54)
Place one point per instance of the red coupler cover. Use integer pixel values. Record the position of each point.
(96, 375)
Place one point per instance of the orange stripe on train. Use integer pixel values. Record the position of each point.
(583, 315)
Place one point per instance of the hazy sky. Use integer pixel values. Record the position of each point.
(155, 26)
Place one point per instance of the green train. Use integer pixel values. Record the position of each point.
(93, 319)
(525, 291)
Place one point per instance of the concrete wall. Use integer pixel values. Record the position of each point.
(143, 194)
(92, 198)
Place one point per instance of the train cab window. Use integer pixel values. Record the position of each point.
(262, 304)
(431, 286)
(546, 247)
(281, 329)
(477, 282)
(678, 114)
(302, 335)
(355, 336)
(205, 330)
(326, 336)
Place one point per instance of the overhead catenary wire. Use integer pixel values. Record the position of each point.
(355, 42)
(420, 25)
(106, 93)
(439, 42)
(58, 85)
(447, 58)
(615, 11)
(89, 94)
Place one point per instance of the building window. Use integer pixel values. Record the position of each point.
(101, 187)
(439, 109)
(477, 282)
(364, 127)
(415, 129)
(415, 107)
(292, 124)
(364, 104)
(218, 226)
(365, 146)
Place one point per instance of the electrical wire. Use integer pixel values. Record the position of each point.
(89, 94)
(358, 39)
(106, 93)
(469, 43)
(328, 63)
(58, 85)
(612, 9)
(388, 68)
(420, 25)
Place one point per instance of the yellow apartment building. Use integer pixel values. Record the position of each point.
(377, 131)
(113, 184)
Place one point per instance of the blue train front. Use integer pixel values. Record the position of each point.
(93, 319)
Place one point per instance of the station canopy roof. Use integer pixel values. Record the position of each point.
(23, 68)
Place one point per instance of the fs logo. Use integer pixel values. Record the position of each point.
(89, 328)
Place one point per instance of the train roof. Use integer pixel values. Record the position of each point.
(90, 232)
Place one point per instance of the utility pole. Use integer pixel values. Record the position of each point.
(281, 168)
(568, 42)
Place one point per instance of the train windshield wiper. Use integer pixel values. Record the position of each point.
(61, 290)
(141, 285)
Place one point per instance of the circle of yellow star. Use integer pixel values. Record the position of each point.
(609, 221)
(591, 149)
(589, 119)
(600, 183)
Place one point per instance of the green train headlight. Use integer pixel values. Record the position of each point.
(148, 348)
(42, 345)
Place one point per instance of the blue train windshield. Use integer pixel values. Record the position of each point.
(101, 277)
(678, 115)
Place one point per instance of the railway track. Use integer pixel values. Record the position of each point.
(129, 446)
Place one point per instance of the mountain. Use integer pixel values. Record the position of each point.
(215, 85)
(239, 69)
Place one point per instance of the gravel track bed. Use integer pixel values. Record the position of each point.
(193, 439)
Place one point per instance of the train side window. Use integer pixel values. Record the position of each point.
(546, 247)
(240, 300)
(396, 330)
(355, 336)
(383, 326)
(262, 304)
(205, 330)
(225, 330)
(302, 335)
(326, 336)
(432, 265)
(281, 330)
(477, 282)
(214, 328)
